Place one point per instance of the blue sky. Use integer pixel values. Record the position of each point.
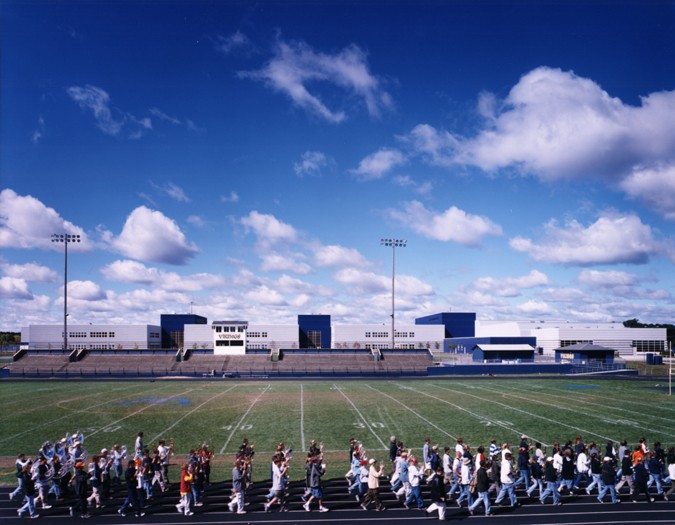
(247, 157)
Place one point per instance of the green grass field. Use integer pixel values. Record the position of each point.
(224, 412)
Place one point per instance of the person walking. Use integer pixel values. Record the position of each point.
(186, 479)
(608, 475)
(373, 495)
(316, 470)
(28, 489)
(551, 480)
(437, 493)
(132, 499)
(238, 480)
(81, 479)
(482, 485)
(507, 479)
(641, 476)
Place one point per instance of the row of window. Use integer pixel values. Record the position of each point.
(227, 342)
(257, 346)
(570, 342)
(384, 346)
(220, 329)
(649, 346)
(386, 334)
(257, 334)
(92, 334)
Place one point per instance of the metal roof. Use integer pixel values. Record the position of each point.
(506, 348)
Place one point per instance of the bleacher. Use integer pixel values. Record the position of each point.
(288, 363)
(124, 363)
(39, 363)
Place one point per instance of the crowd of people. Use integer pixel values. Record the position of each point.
(469, 477)
(485, 477)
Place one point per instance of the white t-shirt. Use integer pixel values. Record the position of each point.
(277, 477)
(506, 472)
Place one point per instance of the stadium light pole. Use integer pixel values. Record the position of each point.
(393, 243)
(65, 238)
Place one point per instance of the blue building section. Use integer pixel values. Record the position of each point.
(457, 324)
(315, 331)
(585, 353)
(173, 328)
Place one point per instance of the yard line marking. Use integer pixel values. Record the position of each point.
(192, 411)
(415, 413)
(512, 394)
(138, 412)
(365, 422)
(492, 401)
(38, 406)
(645, 405)
(236, 427)
(70, 414)
(473, 414)
(302, 418)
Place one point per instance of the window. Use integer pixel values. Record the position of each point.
(570, 342)
(648, 346)
(314, 337)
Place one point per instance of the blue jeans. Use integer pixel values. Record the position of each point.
(507, 488)
(18, 490)
(465, 495)
(455, 485)
(612, 493)
(551, 489)
(132, 499)
(28, 506)
(655, 478)
(536, 483)
(415, 494)
(485, 498)
(596, 481)
(524, 476)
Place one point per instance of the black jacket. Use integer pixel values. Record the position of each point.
(437, 488)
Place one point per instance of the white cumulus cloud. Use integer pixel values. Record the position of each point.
(268, 228)
(611, 239)
(510, 286)
(653, 186)
(555, 125)
(149, 235)
(30, 272)
(14, 288)
(378, 164)
(339, 256)
(453, 224)
(26, 222)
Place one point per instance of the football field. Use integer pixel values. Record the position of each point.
(224, 412)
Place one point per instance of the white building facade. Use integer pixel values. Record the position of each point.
(557, 334)
(378, 336)
(92, 337)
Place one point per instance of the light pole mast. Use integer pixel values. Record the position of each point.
(65, 238)
(394, 243)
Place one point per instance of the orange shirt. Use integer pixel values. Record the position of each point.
(637, 455)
